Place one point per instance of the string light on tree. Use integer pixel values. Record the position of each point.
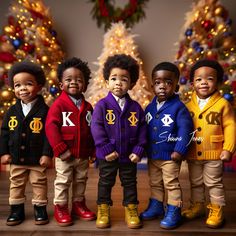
(30, 35)
(207, 33)
(117, 40)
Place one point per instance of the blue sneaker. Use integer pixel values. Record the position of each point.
(153, 211)
(172, 218)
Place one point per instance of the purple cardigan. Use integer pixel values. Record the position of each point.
(116, 130)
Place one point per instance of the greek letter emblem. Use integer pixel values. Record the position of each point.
(36, 125)
(133, 119)
(12, 123)
(166, 120)
(110, 117)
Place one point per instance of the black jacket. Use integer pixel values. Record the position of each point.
(24, 137)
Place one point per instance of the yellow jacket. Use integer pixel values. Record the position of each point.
(215, 128)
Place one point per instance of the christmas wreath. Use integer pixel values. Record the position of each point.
(105, 12)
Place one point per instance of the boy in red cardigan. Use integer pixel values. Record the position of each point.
(68, 132)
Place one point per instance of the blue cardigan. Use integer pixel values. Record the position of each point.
(169, 128)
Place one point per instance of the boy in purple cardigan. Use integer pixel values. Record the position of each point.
(119, 131)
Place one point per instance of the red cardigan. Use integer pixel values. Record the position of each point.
(68, 127)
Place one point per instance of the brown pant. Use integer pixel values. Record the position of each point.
(165, 175)
(19, 176)
(73, 171)
(209, 174)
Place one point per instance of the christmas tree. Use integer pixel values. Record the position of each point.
(207, 33)
(29, 34)
(116, 41)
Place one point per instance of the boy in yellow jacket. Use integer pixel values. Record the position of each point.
(213, 142)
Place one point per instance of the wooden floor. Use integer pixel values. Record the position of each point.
(150, 228)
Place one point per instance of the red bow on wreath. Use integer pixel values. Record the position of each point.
(105, 13)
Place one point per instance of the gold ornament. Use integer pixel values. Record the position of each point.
(9, 29)
(219, 11)
(6, 95)
(6, 47)
(44, 59)
(229, 43)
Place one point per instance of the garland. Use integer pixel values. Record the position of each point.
(105, 13)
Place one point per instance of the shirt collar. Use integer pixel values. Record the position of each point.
(30, 104)
(75, 101)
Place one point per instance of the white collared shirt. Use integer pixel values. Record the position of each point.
(27, 107)
(160, 104)
(120, 101)
(202, 102)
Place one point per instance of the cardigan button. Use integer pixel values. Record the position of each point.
(157, 116)
(199, 142)
(199, 129)
(22, 159)
(200, 116)
(22, 147)
(199, 153)
(23, 134)
(155, 128)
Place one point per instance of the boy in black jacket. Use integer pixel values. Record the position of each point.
(23, 143)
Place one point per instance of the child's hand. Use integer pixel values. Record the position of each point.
(134, 158)
(226, 156)
(112, 156)
(45, 161)
(175, 156)
(66, 155)
(6, 159)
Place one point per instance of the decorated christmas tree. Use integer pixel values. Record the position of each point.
(118, 40)
(207, 33)
(29, 34)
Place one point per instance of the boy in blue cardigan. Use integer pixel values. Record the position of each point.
(169, 131)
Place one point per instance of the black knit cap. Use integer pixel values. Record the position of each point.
(29, 67)
(208, 63)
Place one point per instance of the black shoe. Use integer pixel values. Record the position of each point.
(40, 214)
(17, 215)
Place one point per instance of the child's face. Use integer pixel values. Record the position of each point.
(26, 87)
(119, 82)
(164, 84)
(73, 82)
(205, 81)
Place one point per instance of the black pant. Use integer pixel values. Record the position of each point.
(107, 178)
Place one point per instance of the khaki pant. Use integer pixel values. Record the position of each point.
(209, 174)
(165, 175)
(73, 171)
(19, 176)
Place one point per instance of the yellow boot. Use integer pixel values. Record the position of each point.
(195, 210)
(216, 216)
(131, 216)
(103, 216)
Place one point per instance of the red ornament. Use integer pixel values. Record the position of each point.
(3, 38)
(18, 29)
(207, 25)
(28, 48)
(7, 57)
(11, 20)
(210, 36)
(210, 44)
(233, 84)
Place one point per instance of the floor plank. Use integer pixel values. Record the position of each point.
(150, 228)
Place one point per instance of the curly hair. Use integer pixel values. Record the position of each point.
(28, 67)
(124, 62)
(76, 63)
